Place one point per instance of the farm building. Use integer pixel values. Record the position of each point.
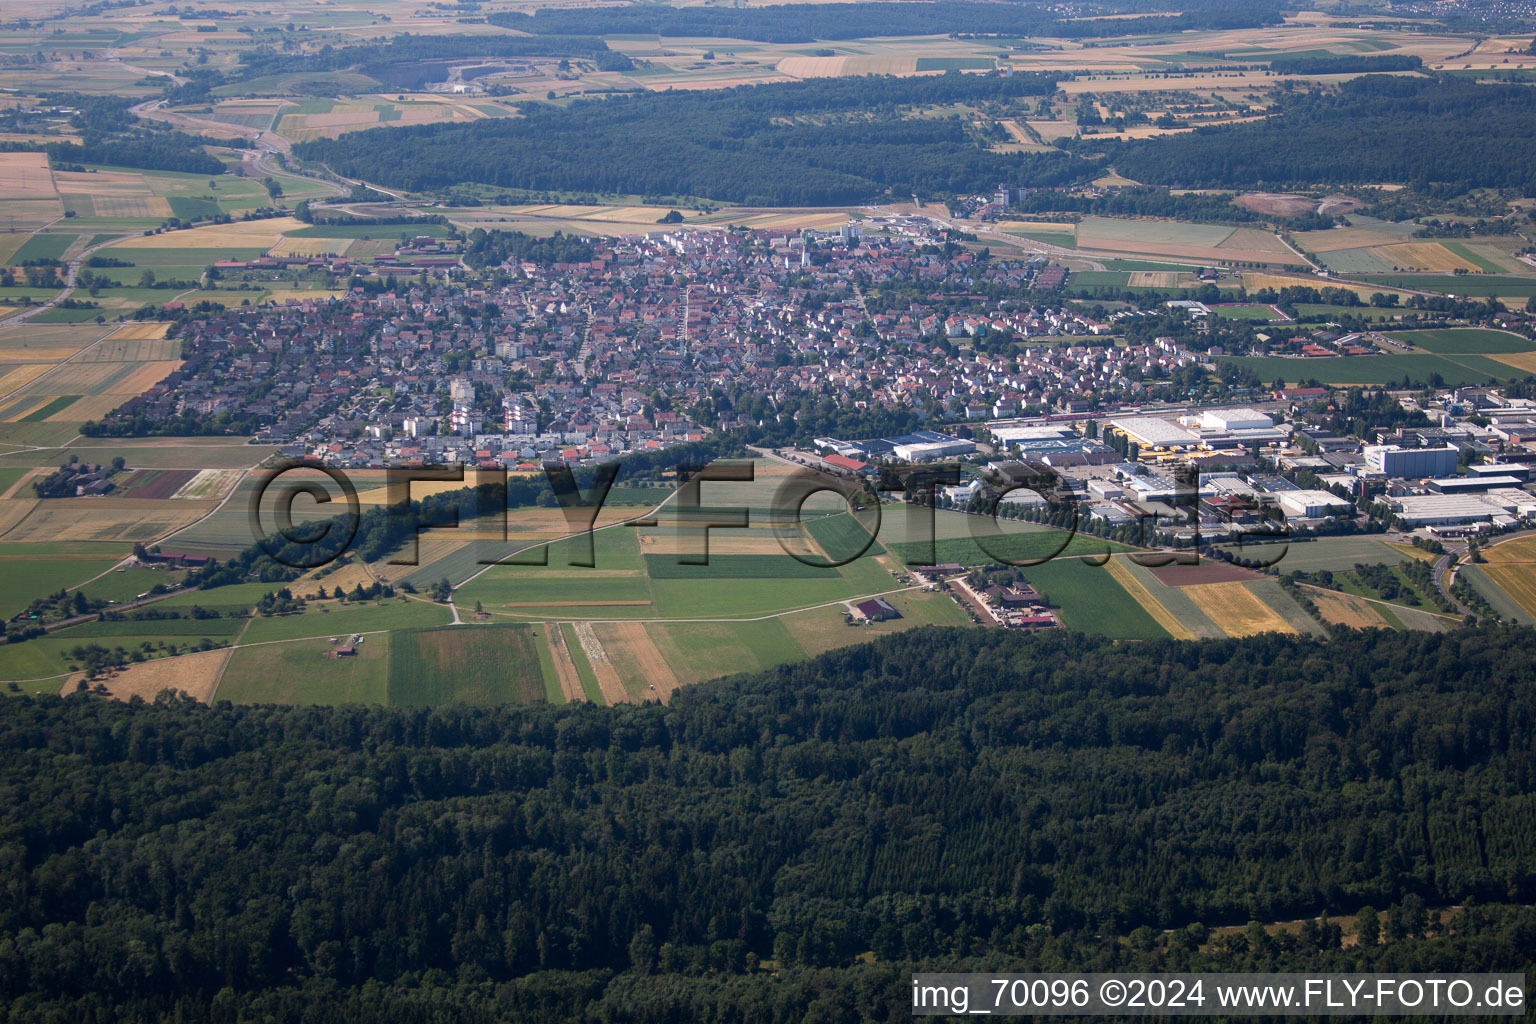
(875, 610)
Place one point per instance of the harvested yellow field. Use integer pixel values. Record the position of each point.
(1253, 282)
(1155, 278)
(1517, 579)
(1335, 239)
(132, 350)
(25, 176)
(91, 407)
(141, 332)
(1236, 609)
(1431, 257)
(196, 675)
(239, 235)
(347, 577)
(1254, 240)
(14, 510)
(311, 247)
(638, 659)
(1522, 549)
(105, 519)
(144, 378)
(1519, 360)
(1345, 609)
(19, 376)
(1142, 596)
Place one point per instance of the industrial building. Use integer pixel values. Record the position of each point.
(1415, 463)
(1154, 433)
(1312, 504)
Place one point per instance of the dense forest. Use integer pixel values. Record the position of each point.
(942, 798)
(799, 23)
(819, 142)
(402, 57)
(1443, 136)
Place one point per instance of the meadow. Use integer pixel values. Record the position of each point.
(482, 665)
(1383, 369)
(301, 673)
(1461, 340)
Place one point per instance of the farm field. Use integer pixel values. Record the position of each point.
(1340, 609)
(482, 665)
(333, 618)
(30, 576)
(1332, 553)
(1238, 610)
(1206, 243)
(1457, 341)
(301, 673)
(1453, 371)
(1508, 593)
(196, 675)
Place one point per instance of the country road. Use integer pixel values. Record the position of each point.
(70, 273)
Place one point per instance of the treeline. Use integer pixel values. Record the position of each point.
(492, 248)
(158, 151)
(392, 57)
(1160, 202)
(1442, 136)
(745, 145)
(795, 23)
(1345, 64)
(941, 799)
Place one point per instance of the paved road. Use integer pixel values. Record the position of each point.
(70, 274)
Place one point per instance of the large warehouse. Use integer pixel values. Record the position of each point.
(1413, 463)
(1311, 504)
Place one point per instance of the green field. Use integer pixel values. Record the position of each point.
(1244, 312)
(27, 579)
(1469, 285)
(57, 405)
(734, 567)
(1457, 341)
(300, 673)
(332, 618)
(145, 628)
(706, 650)
(1385, 369)
(1333, 553)
(1015, 547)
(1089, 599)
(482, 665)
